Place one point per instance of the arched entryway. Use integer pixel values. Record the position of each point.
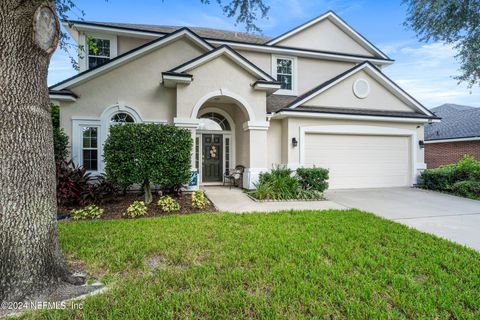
(214, 144)
(220, 128)
(228, 132)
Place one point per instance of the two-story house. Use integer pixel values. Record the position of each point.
(313, 96)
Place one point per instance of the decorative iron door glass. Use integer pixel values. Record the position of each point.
(212, 155)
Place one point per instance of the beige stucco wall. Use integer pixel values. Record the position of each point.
(294, 124)
(136, 84)
(341, 96)
(325, 36)
(274, 144)
(310, 72)
(220, 73)
(125, 44)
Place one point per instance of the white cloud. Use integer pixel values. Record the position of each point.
(426, 72)
(393, 47)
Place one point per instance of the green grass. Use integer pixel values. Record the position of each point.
(292, 265)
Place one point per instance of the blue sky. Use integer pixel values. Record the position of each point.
(424, 70)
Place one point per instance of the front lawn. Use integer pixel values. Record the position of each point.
(293, 265)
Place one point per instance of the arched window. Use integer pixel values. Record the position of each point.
(121, 117)
(214, 122)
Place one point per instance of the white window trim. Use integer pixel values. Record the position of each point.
(294, 90)
(77, 142)
(83, 56)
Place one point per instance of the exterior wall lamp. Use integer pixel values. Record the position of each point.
(294, 142)
(421, 144)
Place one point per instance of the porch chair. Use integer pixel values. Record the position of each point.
(234, 177)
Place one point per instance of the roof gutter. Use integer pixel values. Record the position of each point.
(298, 52)
(88, 26)
(326, 115)
(477, 138)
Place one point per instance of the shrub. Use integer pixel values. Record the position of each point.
(168, 204)
(73, 184)
(199, 200)
(309, 194)
(281, 184)
(444, 177)
(468, 188)
(89, 212)
(313, 178)
(104, 190)
(467, 169)
(136, 209)
(146, 154)
(60, 144)
(60, 139)
(441, 179)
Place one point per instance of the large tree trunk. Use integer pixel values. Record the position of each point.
(30, 257)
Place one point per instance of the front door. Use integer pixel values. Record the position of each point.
(212, 168)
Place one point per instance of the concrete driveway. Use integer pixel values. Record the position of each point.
(447, 216)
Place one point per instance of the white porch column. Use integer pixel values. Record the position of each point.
(191, 125)
(257, 149)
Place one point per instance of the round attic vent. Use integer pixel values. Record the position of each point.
(361, 88)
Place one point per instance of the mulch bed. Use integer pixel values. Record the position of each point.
(115, 209)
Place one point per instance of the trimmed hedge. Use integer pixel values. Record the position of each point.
(313, 178)
(468, 189)
(461, 178)
(148, 154)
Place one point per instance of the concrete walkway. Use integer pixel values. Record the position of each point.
(235, 200)
(450, 217)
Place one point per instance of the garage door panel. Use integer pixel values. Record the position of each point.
(360, 161)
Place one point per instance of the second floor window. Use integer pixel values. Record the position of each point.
(284, 72)
(99, 55)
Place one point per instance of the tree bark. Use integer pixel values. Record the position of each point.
(30, 256)
(147, 189)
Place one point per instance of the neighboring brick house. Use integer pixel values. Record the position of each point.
(456, 135)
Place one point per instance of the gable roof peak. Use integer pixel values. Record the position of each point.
(340, 23)
(372, 71)
(132, 54)
(232, 54)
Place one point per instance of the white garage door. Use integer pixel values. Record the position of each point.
(360, 161)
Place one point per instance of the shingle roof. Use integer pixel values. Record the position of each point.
(457, 122)
(276, 102)
(202, 32)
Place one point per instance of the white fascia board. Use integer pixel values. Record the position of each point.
(230, 54)
(186, 123)
(452, 140)
(298, 29)
(299, 114)
(339, 23)
(397, 91)
(62, 97)
(266, 87)
(128, 57)
(171, 80)
(377, 76)
(118, 31)
(256, 125)
(298, 52)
